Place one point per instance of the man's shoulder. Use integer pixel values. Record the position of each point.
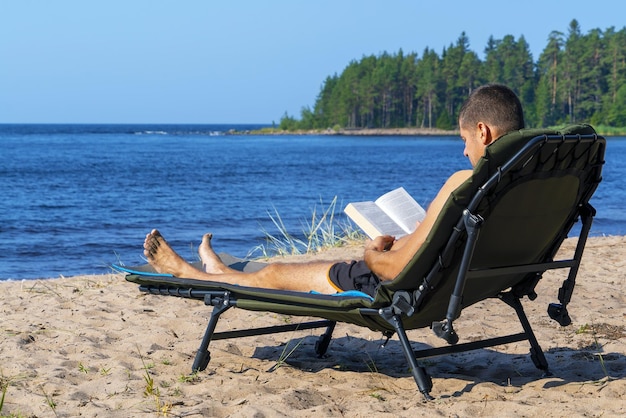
(456, 179)
(460, 176)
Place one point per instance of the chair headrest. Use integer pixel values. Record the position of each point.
(508, 144)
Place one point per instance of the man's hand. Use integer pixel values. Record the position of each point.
(380, 243)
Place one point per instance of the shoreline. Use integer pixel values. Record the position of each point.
(375, 132)
(354, 132)
(97, 346)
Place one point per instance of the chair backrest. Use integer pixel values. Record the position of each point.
(528, 190)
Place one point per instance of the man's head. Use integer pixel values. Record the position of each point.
(488, 113)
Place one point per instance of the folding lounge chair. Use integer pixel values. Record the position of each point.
(496, 236)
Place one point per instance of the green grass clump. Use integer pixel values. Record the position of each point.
(320, 232)
(284, 355)
(152, 390)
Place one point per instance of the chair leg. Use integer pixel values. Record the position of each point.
(536, 353)
(203, 356)
(321, 345)
(423, 380)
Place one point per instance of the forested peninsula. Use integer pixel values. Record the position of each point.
(577, 78)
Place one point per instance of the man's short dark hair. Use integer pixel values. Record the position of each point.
(494, 104)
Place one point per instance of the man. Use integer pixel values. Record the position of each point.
(488, 113)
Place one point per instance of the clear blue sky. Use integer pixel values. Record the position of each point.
(233, 61)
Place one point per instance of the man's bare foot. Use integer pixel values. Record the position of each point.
(163, 258)
(210, 261)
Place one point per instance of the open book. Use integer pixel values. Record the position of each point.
(395, 213)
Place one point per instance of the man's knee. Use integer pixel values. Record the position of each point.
(271, 276)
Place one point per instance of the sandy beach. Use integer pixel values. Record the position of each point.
(95, 346)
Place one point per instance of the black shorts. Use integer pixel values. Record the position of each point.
(353, 276)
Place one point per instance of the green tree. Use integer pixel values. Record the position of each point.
(444, 120)
(469, 73)
(526, 80)
(549, 81)
(617, 112)
(288, 123)
(367, 92)
(428, 86)
(572, 68)
(325, 105)
(348, 101)
(492, 67)
(593, 77)
(451, 61)
(615, 63)
(408, 75)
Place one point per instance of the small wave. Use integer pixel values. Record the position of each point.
(151, 133)
(181, 133)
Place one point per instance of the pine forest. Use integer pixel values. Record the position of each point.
(577, 78)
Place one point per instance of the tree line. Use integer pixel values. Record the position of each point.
(577, 78)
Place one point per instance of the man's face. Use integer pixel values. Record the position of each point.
(474, 146)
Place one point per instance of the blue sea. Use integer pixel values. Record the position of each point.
(77, 198)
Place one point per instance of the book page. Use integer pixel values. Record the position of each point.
(372, 220)
(402, 208)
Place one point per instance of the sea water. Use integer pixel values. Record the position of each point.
(77, 198)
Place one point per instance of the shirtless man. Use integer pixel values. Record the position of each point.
(488, 113)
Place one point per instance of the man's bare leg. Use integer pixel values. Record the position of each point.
(211, 263)
(302, 277)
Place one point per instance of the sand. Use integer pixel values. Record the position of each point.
(95, 346)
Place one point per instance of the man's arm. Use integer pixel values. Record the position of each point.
(386, 257)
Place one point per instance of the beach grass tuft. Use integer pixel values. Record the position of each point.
(321, 231)
(371, 364)
(50, 401)
(152, 390)
(5, 383)
(4, 386)
(284, 355)
(82, 368)
(189, 378)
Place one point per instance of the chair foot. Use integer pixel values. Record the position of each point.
(539, 359)
(445, 331)
(201, 361)
(559, 313)
(321, 345)
(424, 382)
